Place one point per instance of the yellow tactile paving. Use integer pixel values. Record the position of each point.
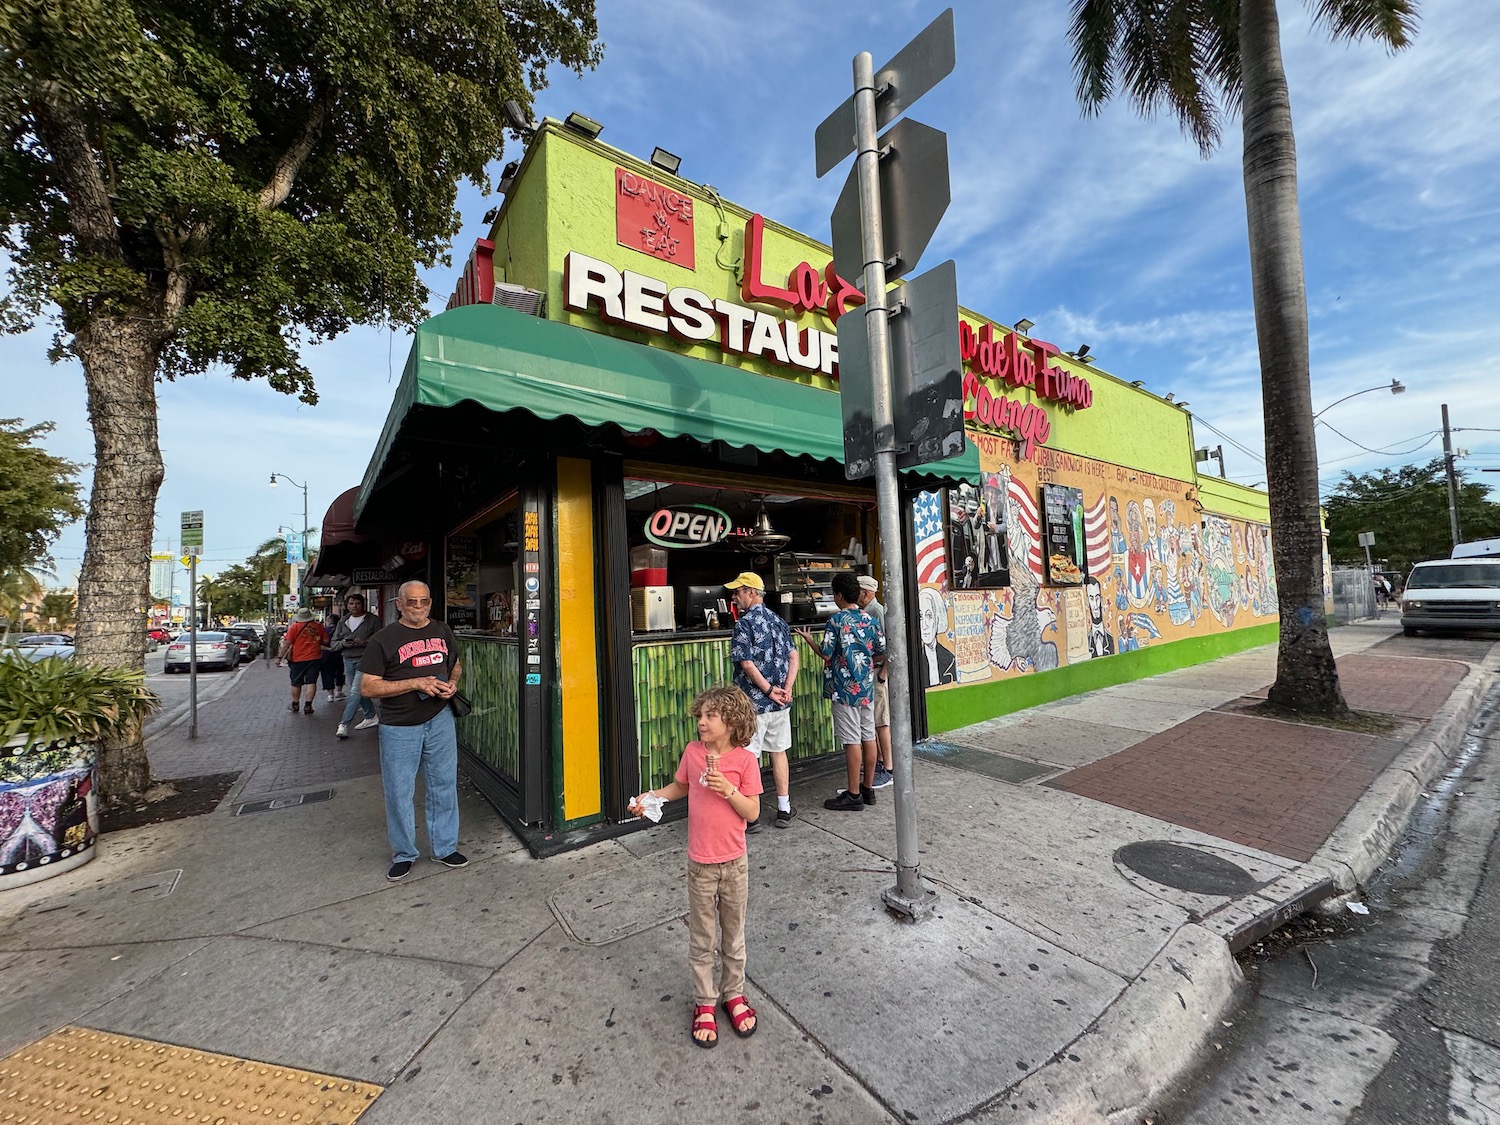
(77, 1075)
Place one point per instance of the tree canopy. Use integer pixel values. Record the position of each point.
(1407, 509)
(38, 497)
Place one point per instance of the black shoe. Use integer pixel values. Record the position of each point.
(866, 794)
(752, 827)
(399, 870)
(455, 859)
(845, 802)
(784, 819)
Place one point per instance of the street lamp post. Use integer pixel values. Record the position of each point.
(1395, 386)
(302, 570)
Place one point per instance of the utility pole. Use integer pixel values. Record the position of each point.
(1452, 480)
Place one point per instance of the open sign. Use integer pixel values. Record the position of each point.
(687, 525)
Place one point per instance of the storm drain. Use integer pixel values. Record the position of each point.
(294, 800)
(990, 763)
(1186, 869)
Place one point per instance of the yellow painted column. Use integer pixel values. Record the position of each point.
(578, 655)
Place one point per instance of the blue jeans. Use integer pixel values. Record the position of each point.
(352, 674)
(432, 748)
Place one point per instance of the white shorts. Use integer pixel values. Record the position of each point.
(853, 725)
(773, 733)
(882, 703)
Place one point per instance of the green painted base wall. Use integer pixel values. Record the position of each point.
(958, 707)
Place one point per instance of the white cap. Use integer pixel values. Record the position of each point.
(866, 582)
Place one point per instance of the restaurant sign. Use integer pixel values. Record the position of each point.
(688, 525)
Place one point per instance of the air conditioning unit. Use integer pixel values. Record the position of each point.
(518, 297)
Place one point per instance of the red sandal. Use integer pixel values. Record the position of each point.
(703, 1020)
(738, 1021)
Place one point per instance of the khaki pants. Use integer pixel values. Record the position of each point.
(717, 894)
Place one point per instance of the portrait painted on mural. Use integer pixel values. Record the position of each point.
(1100, 642)
(938, 664)
(994, 553)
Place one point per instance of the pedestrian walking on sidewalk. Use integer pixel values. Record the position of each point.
(721, 781)
(354, 631)
(850, 645)
(876, 612)
(765, 669)
(302, 648)
(332, 671)
(413, 667)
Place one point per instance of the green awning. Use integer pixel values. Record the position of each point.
(506, 360)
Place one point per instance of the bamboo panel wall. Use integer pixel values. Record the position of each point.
(669, 674)
(492, 681)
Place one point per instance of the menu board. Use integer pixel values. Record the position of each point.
(970, 640)
(462, 573)
(1062, 534)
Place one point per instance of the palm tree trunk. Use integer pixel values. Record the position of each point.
(119, 355)
(1306, 677)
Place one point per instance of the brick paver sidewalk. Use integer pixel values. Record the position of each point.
(250, 729)
(1277, 786)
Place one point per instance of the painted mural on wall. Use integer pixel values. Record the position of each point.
(1006, 590)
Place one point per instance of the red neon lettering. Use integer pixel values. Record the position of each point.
(842, 295)
(752, 288)
(967, 344)
(810, 290)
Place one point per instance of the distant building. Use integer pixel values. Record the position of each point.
(163, 577)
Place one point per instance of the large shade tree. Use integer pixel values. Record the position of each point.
(1407, 509)
(198, 185)
(1202, 60)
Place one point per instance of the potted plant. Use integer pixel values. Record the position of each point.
(54, 714)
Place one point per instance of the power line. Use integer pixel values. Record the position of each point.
(1245, 449)
(1427, 440)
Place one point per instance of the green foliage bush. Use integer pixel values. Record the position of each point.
(57, 700)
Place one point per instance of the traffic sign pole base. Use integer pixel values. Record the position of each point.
(917, 907)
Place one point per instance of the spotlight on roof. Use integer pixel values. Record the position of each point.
(516, 118)
(668, 162)
(508, 177)
(1083, 350)
(1081, 355)
(1023, 325)
(585, 125)
(1137, 382)
(1169, 397)
(489, 216)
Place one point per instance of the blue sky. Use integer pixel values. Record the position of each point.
(1109, 231)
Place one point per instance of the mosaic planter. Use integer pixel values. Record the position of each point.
(49, 816)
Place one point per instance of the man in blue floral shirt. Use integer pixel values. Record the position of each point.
(765, 668)
(851, 642)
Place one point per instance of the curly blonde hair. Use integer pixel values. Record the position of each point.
(733, 707)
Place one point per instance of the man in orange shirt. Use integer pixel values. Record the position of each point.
(303, 643)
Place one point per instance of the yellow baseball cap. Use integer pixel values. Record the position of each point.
(748, 578)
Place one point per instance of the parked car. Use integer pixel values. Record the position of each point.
(160, 635)
(36, 652)
(1451, 594)
(249, 641)
(44, 639)
(258, 626)
(215, 650)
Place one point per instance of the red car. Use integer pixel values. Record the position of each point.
(160, 636)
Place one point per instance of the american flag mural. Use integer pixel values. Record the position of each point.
(932, 558)
(1096, 537)
(1031, 524)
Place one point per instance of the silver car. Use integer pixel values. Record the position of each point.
(215, 650)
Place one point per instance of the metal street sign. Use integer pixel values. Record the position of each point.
(268, 586)
(192, 533)
(914, 195)
(1367, 539)
(917, 68)
(186, 560)
(926, 377)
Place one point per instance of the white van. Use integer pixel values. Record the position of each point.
(1480, 548)
(1452, 594)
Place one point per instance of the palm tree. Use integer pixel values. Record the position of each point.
(1202, 59)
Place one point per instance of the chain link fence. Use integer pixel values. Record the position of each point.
(1353, 594)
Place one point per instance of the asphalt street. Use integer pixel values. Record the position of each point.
(173, 690)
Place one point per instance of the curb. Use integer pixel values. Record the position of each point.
(1159, 1025)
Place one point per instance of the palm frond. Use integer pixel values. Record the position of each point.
(1392, 22)
(1095, 30)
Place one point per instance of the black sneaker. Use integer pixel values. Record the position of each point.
(456, 859)
(752, 827)
(784, 818)
(399, 870)
(866, 794)
(883, 778)
(845, 802)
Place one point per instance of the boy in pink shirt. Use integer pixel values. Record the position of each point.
(721, 780)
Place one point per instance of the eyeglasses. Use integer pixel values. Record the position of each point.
(417, 601)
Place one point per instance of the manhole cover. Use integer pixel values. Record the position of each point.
(1187, 869)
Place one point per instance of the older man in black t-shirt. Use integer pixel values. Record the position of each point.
(412, 667)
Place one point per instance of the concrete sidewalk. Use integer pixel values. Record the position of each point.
(1094, 858)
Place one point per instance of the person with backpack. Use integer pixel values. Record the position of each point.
(302, 647)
